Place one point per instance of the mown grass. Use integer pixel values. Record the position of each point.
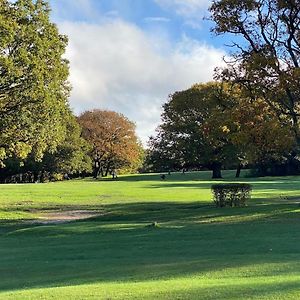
(196, 252)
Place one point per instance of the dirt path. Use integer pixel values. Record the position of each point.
(58, 217)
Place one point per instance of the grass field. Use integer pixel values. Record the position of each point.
(196, 252)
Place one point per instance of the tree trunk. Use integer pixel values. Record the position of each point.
(107, 169)
(238, 170)
(96, 169)
(36, 176)
(102, 172)
(216, 168)
(96, 172)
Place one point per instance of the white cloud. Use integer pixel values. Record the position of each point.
(117, 66)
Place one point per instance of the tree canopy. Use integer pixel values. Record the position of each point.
(216, 124)
(192, 132)
(33, 80)
(113, 138)
(267, 52)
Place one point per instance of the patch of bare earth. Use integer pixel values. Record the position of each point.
(58, 217)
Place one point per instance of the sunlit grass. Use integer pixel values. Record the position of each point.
(196, 252)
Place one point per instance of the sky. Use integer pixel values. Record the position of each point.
(130, 55)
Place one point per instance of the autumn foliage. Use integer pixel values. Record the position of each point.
(216, 124)
(113, 139)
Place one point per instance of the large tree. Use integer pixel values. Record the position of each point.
(33, 80)
(113, 138)
(215, 124)
(192, 132)
(266, 58)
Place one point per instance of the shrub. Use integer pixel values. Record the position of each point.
(57, 177)
(231, 194)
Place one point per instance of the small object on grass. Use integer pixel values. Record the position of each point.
(153, 225)
(283, 197)
(114, 174)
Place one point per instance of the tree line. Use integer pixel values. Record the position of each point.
(40, 138)
(248, 116)
(216, 125)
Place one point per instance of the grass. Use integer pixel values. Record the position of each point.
(195, 251)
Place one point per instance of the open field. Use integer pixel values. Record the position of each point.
(197, 252)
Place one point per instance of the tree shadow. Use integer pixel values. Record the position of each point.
(174, 176)
(275, 186)
(191, 238)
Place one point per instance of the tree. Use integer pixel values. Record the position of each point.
(113, 138)
(71, 157)
(267, 56)
(33, 81)
(217, 124)
(192, 132)
(165, 153)
(260, 137)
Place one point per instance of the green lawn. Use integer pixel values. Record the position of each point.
(197, 252)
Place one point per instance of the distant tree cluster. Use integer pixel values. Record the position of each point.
(216, 125)
(248, 116)
(40, 138)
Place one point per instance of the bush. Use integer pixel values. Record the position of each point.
(231, 194)
(57, 177)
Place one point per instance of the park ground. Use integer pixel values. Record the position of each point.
(196, 251)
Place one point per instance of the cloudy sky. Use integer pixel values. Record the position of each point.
(129, 55)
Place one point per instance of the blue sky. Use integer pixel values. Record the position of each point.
(129, 55)
(175, 18)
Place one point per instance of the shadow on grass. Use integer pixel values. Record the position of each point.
(119, 246)
(281, 186)
(174, 176)
(174, 213)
